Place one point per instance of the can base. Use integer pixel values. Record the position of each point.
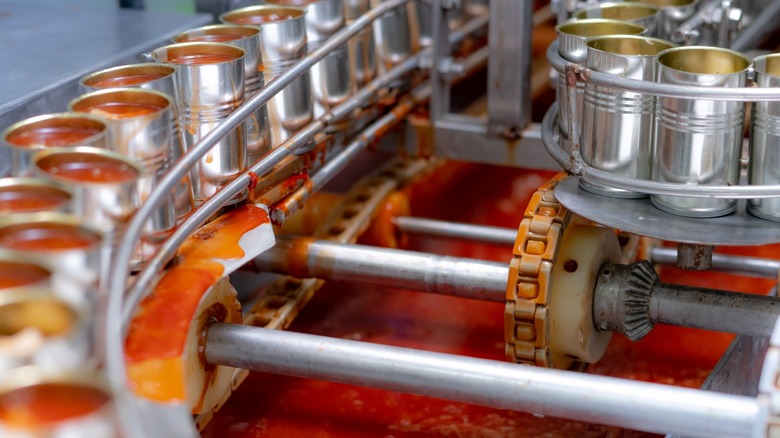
(612, 192)
(699, 214)
(762, 214)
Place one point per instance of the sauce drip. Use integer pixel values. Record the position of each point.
(13, 274)
(122, 110)
(46, 237)
(260, 17)
(29, 199)
(160, 328)
(49, 403)
(121, 81)
(201, 58)
(210, 38)
(253, 180)
(51, 136)
(109, 171)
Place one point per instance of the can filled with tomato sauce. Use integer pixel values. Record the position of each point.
(31, 195)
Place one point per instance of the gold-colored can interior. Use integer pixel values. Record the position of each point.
(618, 11)
(665, 3)
(704, 60)
(597, 27)
(49, 316)
(630, 45)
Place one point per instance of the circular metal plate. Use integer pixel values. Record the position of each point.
(639, 216)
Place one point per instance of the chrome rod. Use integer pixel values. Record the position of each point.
(433, 227)
(756, 266)
(762, 27)
(591, 398)
(460, 277)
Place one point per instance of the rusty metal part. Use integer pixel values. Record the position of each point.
(283, 300)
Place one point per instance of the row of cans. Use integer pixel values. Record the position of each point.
(668, 139)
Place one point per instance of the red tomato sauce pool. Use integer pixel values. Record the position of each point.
(268, 405)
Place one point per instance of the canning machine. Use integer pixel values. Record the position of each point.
(357, 218)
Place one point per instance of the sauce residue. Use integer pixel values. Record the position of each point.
(50, 136)
(46, 237)
(209, 38)
(253, 180)
(121, 81)
(201, 58)
(49, 403)
(122, 110)
(260, 17)
(104, 171)
(27, 199)
(159, 330)
(15, 274)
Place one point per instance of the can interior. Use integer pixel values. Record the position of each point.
(184, 50)
(52, 131)
(48, 316)
(591, 28)
(703, 60)
(619, 11)
(217, 30)
(49, 402)
(628, 45)
(769, 65)
(30, 197)
(47, 236)
(665, 3)
(132, 96)
(15, 274)
(87, 167)
(258, 15)
(155, 71)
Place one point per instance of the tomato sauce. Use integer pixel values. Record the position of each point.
(28, 199)
(201, 58)
(16, 274)
(209, 38)
(122, 81)
(106, 170)
(268, 405)
(49, 403)
(46, 237)
(122, 110)
(261, 17)
(50, 136)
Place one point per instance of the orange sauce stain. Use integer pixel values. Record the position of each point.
(49, 403)
(159, 330)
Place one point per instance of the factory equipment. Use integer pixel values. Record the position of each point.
(156, 251)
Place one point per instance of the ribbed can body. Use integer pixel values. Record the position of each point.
(765, 139)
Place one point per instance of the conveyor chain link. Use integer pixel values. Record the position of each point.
(526, 322)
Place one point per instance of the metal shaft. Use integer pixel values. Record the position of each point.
(461, 277)
(710, 309)
(749, 265)
(595, 399)
(433, 227)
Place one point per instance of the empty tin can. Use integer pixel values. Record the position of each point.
(30, 195)
(396, 35)
(765, 139)
(25, 138)
(672, 14)
(699, 141)
(56, 404)
(258, 131)
(37, 328)
(645, 15)
(617, 129)
(362, 55)
(283, 43)
(571, 46)
(210, 86)
(155, 77)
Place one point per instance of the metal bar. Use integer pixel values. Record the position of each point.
(433, 227)
(717, 310)
(442, 60)
(762, 27)
(583, 397)
(760, 267)
(509, 66)
(376, 130)
(460, 277)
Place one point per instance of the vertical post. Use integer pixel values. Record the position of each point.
(509, 66)
(442, 58)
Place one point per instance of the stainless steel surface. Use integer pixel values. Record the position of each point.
(617, 127)
(699, 141)
(760, 267)
(509, 90)
(396, 35)
(739, 369)
(208, 92)
(86, 41)
(694, 257)
(433, 227)
(643, 14)
(653, 407)
(460, 277)
(639, 216)
(764, 153)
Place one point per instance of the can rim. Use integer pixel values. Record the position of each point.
(53, 116)
(88, 150)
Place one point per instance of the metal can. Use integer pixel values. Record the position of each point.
(617, 129)
(25, 138)
(396, 34)
(571, 46)
(283, 43)
(765, 139)
(210, 86)
(362, 56)
(642, 14)
(156, 77)
(30, 195)
(673, 13)
(698, 141)
(258, 132)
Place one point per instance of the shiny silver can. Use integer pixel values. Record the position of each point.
(156, 77)
(571, 47)
(765, 139)
(258, 133)
(672, 14)
(362, 56)
(699, 141)
(27, 137)
(283, 43)
(32, 195)
(210, 86)
(396, 35)
(645, 15)
(617, 129)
